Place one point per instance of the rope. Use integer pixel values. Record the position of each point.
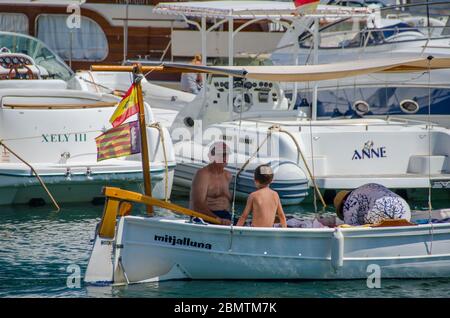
(93, 81)
(255, 152)
(300, 154)
(430, 207)
(35, 173)
(166, 164)
(97, 85)
(233, 210)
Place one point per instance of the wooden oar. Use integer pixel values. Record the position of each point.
(116, 193)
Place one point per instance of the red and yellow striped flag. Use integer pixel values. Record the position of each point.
(120, 141)
(306, 6)
(127, 107)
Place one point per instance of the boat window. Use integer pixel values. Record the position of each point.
(409, 106)
(345, 33)
(14, 22)
(42, 55)
(87, 43)
(361, 107)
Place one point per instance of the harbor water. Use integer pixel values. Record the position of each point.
(45, 253)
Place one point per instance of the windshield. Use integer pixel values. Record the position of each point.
(247, 61)
(412, 21)
(41, 54)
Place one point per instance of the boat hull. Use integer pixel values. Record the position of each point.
(26, 189)
(160, 249)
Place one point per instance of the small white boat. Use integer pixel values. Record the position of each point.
(143, 249)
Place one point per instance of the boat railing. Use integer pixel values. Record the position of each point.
(407, 120)
(433, 32)
(388, 121)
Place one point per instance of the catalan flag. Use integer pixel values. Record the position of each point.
(119, 141)
(127, 107)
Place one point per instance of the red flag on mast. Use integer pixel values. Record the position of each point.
(309, 5)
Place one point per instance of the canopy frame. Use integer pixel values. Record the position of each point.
(283, 12)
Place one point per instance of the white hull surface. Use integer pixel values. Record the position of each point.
(152, 249)
(19, 186)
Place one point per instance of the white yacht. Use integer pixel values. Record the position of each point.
(261, 127)
(389, 32)
(51, 123)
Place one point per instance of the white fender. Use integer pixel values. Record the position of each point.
(337, 249)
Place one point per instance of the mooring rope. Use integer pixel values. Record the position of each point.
(300, 154)
(35, 173)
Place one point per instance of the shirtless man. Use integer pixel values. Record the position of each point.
(210, 192)
(264, 202)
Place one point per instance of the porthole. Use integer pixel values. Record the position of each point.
(409, 106)
(361, 107)
(188, 121)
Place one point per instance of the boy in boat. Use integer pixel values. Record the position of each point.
(264, 203)
(210, 193)
(370, 204)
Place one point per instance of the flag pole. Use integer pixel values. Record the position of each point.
(138, 76)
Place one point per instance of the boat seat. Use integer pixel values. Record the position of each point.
(397, 222)
(34, 84)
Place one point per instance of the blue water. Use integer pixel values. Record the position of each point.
(39, 246)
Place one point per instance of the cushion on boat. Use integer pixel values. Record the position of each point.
(396, 222)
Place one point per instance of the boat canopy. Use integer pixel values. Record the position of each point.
(320, 72)
(245, 9)
(223, 9)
